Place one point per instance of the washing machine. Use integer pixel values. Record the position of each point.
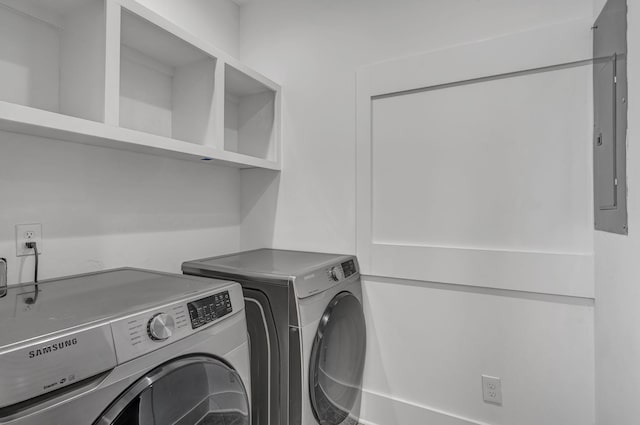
(306, 329)
(124, 346)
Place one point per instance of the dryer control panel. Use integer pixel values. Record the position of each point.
(326, 277)
(342, 271)
(349, 268)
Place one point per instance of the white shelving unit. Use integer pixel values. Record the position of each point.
(249, 108)
(53, 57)
(113, 73)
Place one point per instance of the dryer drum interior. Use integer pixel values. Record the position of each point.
(191, 390)
(337, 362)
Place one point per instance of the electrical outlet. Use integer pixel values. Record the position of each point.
(491, 389)
(28, 233)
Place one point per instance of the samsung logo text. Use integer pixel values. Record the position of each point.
(52, 347)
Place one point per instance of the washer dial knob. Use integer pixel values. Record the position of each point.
(336, 273)
(160, 327)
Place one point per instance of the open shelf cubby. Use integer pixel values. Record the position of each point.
(166, 84)
(113, 73)
(249, 115)
(52, 56)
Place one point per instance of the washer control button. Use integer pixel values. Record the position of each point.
(160, 327)
(336, 273)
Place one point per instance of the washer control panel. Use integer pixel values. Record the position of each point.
(140, 333)
(208, 309)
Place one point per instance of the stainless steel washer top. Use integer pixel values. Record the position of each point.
(79, 300)
(86, 325)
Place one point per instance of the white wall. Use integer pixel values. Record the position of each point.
(617, 273)
(434, 354)
(103, 208)
(314, 49)
(425, 357)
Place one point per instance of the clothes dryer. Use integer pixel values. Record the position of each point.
(307, 332)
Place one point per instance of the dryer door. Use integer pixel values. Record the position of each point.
(337, 362)
(186, 391)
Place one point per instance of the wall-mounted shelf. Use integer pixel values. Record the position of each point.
(249, 113)
(52, 56)
(112, 73)
(36, 122)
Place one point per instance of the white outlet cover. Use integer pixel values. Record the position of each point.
(23, 232)
(491, 389)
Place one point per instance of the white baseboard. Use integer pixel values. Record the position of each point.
(382, 409)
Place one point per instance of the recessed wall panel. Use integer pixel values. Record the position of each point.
(497, 164)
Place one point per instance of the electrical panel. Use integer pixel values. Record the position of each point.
(610, 118)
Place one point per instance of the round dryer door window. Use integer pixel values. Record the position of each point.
(337, 362)
(191, 390)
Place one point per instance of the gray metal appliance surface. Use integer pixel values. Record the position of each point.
(124, 346)
(307, 332)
